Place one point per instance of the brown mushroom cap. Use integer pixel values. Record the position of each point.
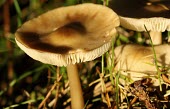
(68, 35)
(134, 14)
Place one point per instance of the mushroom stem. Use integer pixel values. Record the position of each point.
(156, 37)
(77, 101)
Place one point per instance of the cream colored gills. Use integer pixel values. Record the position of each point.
(141, 59)
(135, 14)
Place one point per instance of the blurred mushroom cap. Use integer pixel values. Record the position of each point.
(137, 62)
(134, 14)
(69, 35)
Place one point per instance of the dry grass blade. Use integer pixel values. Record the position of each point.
(105, 96)
(49, 93)
(165, 78)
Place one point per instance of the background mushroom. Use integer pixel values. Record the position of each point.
(154, 14)
(68, 35)
(137, 62)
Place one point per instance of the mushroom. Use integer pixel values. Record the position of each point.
(69, 35)
(154, 14)
(138, 61)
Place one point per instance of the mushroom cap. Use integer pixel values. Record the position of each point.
(139, 58)
(68, 35)
(137, 62)
(134, 14)
(158, 24)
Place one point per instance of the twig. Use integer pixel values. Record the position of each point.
(49, 93)
(8, 43)
(103, 86)
(28, 97)
(138, 89)
(132, 102)
(57, 88)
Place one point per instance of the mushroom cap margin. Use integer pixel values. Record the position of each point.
(77, 55)
(152, 24)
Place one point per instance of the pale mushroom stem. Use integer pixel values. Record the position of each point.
(156, 37)
(77, 101)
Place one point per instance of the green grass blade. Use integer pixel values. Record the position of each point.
(12, 83)
(111, 69)
(86, 104)
(156, 63)
(117, 89)
(2, 2)
(25, 102)
(17, 7)
(105, 2)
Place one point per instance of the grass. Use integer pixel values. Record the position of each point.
(18, 10)
(25, 102)
(155, 59)
(31, 80)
